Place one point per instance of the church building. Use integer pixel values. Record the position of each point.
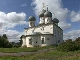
(46, 33)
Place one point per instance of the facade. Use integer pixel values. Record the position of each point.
(46, 33)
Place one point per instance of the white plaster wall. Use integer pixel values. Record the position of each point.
(29, 31)
(27, 42)
(52, 29)
(24, 41)
(41, 29)
(42, 20)
(48, 20)
(58, 33)
(44, 29)
(49, 42)
(31, 23)
(34, 40)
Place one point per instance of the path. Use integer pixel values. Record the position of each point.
(25, 53)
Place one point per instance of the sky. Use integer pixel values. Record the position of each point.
(14, 16)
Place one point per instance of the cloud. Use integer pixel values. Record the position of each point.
(55, 6)
(13, 35)
(75, 16)
(10, 20)
(23, 5)
(72, 34)
(64, 25)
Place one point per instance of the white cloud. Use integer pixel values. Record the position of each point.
(23, 5)
(64, 25)
(75, 16)
(55, 6)
(12, 35)
(72, 34)
(10, 20)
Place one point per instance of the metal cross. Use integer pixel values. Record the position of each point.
(43, 5)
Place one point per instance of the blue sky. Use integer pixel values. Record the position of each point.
(14, 16)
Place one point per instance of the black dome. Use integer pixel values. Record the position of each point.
(32, 18)
(42, 13)
(48, 14)
(55, 20)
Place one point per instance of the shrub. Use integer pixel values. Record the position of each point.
(69, 46)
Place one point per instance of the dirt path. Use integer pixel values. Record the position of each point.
(25, 53)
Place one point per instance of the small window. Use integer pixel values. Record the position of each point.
(48, 38)
(30, 41)
(42, 28)
(43, 41)
(58, 41)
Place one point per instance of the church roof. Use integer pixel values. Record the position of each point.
(42, 13)
(55, 20)
(32, 18)
(48, 14)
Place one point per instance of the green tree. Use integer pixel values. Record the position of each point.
(4, 43)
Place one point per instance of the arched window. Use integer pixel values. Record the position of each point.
(43, 41)
(30, 41)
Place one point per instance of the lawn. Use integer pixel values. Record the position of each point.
(13, 50)
(51, 55)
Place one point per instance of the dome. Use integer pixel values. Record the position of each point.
(32, 18)
(55, 20)
(42, 13)
(48, 14)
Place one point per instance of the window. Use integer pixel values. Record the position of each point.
(48, 38)
(58, 41)
(43, 41)
(42, 28)
(30, 41)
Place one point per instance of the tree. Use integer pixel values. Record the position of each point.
(4, 43)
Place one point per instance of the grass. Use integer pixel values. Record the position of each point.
(13, 50)
(51, 55)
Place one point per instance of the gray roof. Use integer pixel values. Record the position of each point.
(48, 14)
(32, 18)
(55, 20)
(42, 13)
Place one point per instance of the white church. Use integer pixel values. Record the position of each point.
(46, 33)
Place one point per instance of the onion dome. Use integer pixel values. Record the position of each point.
(55, 20)
(32, 18)
(48, 14)
(42, 13)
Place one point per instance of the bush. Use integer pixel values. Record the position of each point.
(69, 46)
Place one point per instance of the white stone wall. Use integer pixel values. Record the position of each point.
(38, 39)
(24, 42)
(31, 23)
(49, 40)
(41, 29)
(48, 20)
(58, 33)
(42, 20)
(34, 40)
(54, 34)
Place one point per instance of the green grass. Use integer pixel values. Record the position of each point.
(13, 50)
(51, 55)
